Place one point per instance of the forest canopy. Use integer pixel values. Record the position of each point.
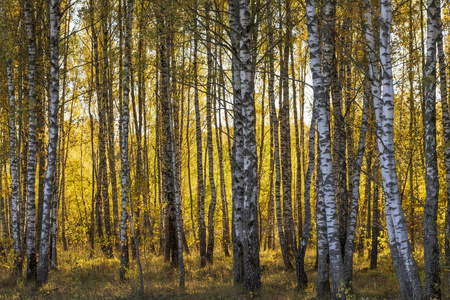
(169, 142)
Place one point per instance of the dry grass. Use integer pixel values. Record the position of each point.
(81, 277)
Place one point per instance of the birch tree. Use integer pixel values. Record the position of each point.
(32, 147)
(42, 271)
(430, 238)
(17, 245)
(402, 258)
(446, 133)
(276, 149)
(244, 158)
(321, 73)
(125, 120)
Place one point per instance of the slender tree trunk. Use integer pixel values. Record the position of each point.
(274, 122)
(103, 131)
(32, 148)
(339, 150)
(430, 240)
(353, 216)
(177, 198)
(270, 205)
(323, 268)
(209, 140)
(223, 191)
(285, 141)
(375, 219)
(17, 245)
(198, 132)
(42, 271)
(302, 279)
(299, 150)
(125, 120)
(112, 162)
(446, 132)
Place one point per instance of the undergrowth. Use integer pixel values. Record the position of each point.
(83, 277)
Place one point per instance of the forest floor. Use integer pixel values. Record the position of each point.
(82, 277)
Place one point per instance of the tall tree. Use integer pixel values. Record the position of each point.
(285, 138)
(276, 148)
(198, 134)
(32, 144)
(302, 279)
(244, 158)
(125, 119)
(321, 69)
(14, 171)
(209, 139)
(446, 133)
(55, 22)
(430, 234)
(402, 258)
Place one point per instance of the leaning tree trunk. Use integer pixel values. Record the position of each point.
(321, 83)
(402, 258)
(42, 271)
(430, 235)
(244, 158)
(125, 120)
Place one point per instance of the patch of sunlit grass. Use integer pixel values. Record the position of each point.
(83, 277)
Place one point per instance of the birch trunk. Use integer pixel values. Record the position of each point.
(17, 245)
(302, 279)
(177, 199)
(42, 271)
(323, 267)
(32, 148)
(274, 122)
(402, 258)
(200, 184)
(353, 217)
(285, 141)
(321, 85)
(209, 141)
(125, 120)
(244, 158)
(375, 219)
(223, 191)
(430, 240)
(446, 133)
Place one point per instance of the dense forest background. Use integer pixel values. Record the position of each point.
(209, 135)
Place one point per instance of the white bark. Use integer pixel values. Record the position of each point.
(42, 272)
(244, 160)
(125, 119)
(401, 253)
(32, 148)
(321, 81)
(17, 244)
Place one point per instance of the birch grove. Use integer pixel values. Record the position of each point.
(253, 138)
